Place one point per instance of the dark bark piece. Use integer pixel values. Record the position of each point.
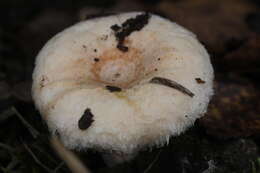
(129, 26)
(172, 84)
(122, 47)
(86, 120)
(113, 88)
(115, 27)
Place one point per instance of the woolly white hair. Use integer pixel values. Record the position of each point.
(73, 69)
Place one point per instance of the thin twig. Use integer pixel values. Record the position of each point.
(58, 167)
(4, 170)
(36, 159)
(12, 164)
(31, 129)
(7, 147)
(153, 162)
(171, 84)
(6, 114)
(46, 154)
(72, 161)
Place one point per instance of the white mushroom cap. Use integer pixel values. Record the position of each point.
(96, 95)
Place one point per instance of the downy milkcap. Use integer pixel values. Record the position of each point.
(122, 82)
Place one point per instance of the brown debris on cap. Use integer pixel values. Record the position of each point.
(86, 120)
(200, 81)
(113, 88)
(96, 59)
(129, 26)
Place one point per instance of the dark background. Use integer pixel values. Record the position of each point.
(226, 140)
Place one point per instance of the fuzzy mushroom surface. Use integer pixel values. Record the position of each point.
(122, 82)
